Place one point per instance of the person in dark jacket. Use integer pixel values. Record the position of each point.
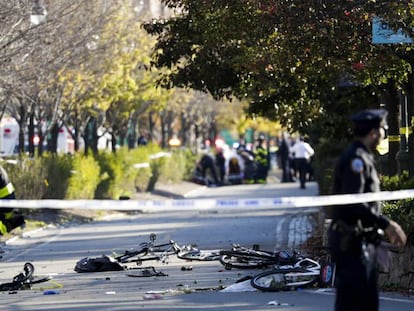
(9, 219)
(261, 156)
(208, 167)
(221, 165)
(284, 157)
(353, 234)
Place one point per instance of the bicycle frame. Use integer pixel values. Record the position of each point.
(149, 251)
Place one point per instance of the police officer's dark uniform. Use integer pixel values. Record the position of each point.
(8, 218)
(352, 250)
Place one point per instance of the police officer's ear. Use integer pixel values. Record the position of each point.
(377, 133)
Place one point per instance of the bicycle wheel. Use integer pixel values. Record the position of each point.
(28, 270)
(269, 281)
(165, 249)
(198, 255)
(244, 260)
(20, 281)
(284, 279)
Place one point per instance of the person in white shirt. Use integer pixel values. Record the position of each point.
(302, 153)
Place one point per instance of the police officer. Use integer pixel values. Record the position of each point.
(261, 156)
(353, 234)
(8, 218)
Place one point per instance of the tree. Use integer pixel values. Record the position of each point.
(289, 59)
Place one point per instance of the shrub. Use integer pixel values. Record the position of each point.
(84, 179)
(109, 170)
(58, 171)
(401, 211)
(179, 166)
(108, 176)
(28, 177)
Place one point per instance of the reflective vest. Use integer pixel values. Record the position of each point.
(6, 190)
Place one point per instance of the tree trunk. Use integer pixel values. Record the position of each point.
(22, 129)
(31, 134)
(113, 142)
(52, 139)
(91, 137)
(183, 130)
(163, 130)
(76, 137)
(151, 126)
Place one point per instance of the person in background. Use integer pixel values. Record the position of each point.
(302, 152)
(221, 165)
(284, 158)
(142, 140)
(353, 234)
(261, 156)
(9, 219)
(235, 166)
(208, 167)
(241, 144)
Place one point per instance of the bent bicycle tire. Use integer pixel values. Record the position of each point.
(23, 280)
(284, 279)
(198, 255)
(246, 260)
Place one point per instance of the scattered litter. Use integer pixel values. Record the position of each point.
(51, 292)
(189, 268)
(185, 289)
(277, 303)
(147, 272)
(200, 289)
(325, 290)
(156, 292)
(152, 296)
(239, 288)
(110, 293)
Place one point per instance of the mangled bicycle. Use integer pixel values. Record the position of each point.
(150, 251)
(241, 257)
(23, 280)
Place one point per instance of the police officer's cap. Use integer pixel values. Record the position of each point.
(261, 137)
(369, 119)
(373, 117)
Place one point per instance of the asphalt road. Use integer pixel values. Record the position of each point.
(206, 286)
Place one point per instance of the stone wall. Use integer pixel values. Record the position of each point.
(401, 274)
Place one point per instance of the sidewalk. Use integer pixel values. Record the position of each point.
(182, 189)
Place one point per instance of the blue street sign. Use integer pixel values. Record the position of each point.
(383, 34)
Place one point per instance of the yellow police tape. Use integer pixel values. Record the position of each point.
(208, 204)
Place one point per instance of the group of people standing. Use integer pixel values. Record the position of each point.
(295, 158)
(239, 165)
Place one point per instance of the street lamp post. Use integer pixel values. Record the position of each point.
(38, 14)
